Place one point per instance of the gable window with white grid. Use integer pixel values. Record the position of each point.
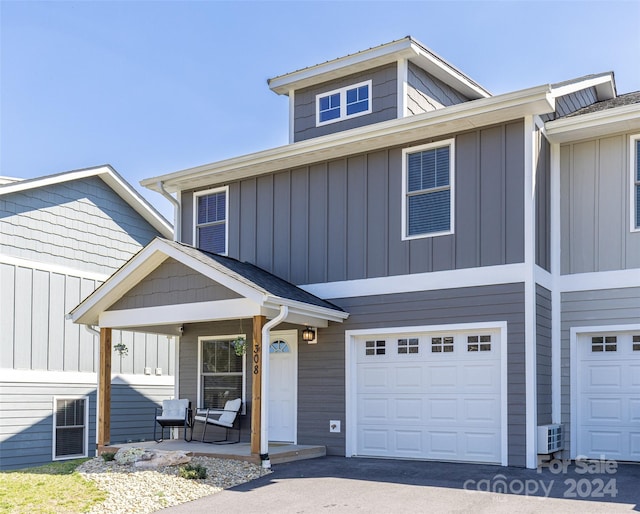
(428, 201)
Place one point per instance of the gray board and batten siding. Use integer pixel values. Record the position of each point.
(341, 219)
(426, 93)
(80, 224)
(543, 203)
(594, 183)
(321, 366)
(543, 354)
(384, 105)
(36, 336)
(591, 309)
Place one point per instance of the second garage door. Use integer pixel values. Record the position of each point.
(429, 396)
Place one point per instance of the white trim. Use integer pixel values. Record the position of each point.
(351, 364)
(226, 337)
(556, 298)
(293, 334)
(543, 277)
(633, 202)
(430, 281)
(110, 177)
(342, 92)
(599, 280)
(23, 376)
(402, 78)
(86, 427)
(452, 166)
(574, 333)
(196, 196)
(406, 47)
(606, 80)
(440, 122)
(292, 116)
(625, 118)
(530, 160)
(180, 314)
(52, 268)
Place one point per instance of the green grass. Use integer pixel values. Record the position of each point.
(54, 488)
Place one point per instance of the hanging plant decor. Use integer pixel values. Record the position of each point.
(240, 346)
(121, 348)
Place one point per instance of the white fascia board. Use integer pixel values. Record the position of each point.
(143, 263)
(441, 122)
(148, 259)
(439, 68)
(600, 280)
(603, 83)
(305, 309)
(180, 314)
(619, 119)
(112, 179)
(431, 281)
(342, 66)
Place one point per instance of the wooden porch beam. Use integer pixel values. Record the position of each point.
(104, 389)
(256, 383)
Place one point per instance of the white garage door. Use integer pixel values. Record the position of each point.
(608, 401)
(429, 396)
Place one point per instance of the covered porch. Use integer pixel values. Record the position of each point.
(210, 302)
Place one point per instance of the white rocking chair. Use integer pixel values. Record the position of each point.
(174, 413)
(227, 418)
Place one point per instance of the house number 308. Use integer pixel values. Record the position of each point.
(256, 359)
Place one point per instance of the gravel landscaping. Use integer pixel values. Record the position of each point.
(134, 490)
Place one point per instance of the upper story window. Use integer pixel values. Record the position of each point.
(427, 199)
(211, 220)
(635, 183)
(343, 103)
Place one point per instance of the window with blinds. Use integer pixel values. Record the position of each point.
(211, 220)
(70, 427)
(428, 199)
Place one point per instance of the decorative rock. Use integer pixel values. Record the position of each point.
(147, 459)
(160, 458)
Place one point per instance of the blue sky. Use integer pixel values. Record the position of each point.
(153, 87)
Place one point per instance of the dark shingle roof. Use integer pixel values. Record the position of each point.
(254, 276)
(619, 101)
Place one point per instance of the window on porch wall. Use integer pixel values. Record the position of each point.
(222, 373)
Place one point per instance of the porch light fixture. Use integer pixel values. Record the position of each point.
(308, 334)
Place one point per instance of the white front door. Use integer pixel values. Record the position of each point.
(608, 400)
(283, 386)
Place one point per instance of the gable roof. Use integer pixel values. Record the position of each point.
(110, 177)
(265, 291)
(620, 114)
(405, 48)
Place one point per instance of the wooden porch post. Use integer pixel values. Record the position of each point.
(104, 389)
(256, 389)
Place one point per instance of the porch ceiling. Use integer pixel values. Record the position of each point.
(168, 284)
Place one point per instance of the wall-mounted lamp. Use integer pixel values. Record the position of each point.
(308, 334)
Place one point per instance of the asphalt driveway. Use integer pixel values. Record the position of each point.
(337, 484)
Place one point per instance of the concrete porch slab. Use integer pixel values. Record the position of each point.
(278, 452)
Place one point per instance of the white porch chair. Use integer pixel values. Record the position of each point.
(227, 418)
(174, 413)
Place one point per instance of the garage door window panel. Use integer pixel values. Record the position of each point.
(442, 344)
(375, 347)
(408, 346)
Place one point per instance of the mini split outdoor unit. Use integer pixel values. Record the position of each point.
(550, 438)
